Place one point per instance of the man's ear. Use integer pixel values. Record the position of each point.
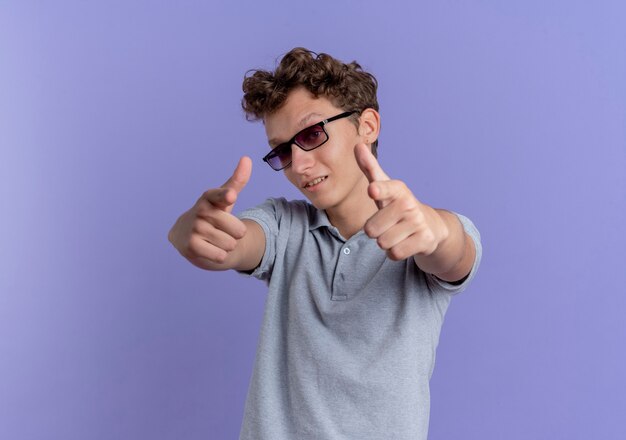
(369, 125)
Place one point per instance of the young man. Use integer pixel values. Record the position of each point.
(359, 277)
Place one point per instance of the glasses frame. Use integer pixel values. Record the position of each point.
(275, 151)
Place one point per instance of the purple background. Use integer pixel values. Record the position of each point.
(114, 118)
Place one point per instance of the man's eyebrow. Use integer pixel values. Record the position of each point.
(301, 124)
(307, 119)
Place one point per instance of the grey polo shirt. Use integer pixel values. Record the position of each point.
(348, 339)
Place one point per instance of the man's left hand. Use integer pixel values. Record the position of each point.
(403, 227)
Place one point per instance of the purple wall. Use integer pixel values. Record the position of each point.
(115, 118)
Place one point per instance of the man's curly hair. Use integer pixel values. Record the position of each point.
(347, 86)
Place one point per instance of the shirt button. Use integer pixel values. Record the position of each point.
(346, 251)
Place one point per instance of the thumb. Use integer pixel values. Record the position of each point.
(240, 176)
(236, 182)
(369, 164)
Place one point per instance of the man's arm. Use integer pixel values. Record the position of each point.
(246, 255)
(454, 255)
(211, 237)
(404, 227)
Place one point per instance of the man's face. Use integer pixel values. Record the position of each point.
(328, 176)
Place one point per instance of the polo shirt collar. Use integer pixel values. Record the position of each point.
(319, 219)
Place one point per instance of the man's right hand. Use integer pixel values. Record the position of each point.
(208, 234)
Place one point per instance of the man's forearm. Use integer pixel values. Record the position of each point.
(454, 256)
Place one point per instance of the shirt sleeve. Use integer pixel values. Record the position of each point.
(438, 285)
(267, 215)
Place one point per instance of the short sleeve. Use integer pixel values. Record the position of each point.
(267, 215)
(436, 284)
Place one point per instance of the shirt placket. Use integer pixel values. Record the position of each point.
(342, 287)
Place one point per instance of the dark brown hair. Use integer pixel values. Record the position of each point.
(347, 86)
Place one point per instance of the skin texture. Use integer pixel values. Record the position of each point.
(356, 194)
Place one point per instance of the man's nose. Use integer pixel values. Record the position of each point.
(301, 160)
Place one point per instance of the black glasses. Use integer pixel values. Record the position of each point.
(308, 139)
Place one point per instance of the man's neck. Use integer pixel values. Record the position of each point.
(350, 217)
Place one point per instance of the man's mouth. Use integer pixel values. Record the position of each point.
(315, 181)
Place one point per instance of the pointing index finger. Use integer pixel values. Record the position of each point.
(369, 164)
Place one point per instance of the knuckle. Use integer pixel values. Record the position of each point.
(230, 244)
(239, 229)
(429, 242)
(398, 185)
(191, 249)
(432, 249)
(369, 230)
(210, 194)
(372, 232)
(199, 226)
(429, 237)
(445, 233)
(220, 256)
(382, 243)
(203, 210)
(414, 221)
(417, 215)
(204, 200)
(394, 254)
(406, 204)
(243, 231)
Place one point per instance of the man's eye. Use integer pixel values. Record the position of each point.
(313, 134)
(282, 151)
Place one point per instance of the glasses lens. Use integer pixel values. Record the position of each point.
(280, 157)
(311, 137)
(307, 139)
